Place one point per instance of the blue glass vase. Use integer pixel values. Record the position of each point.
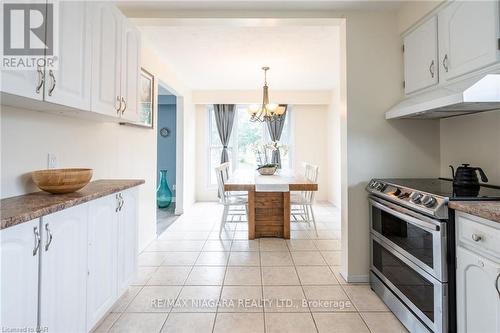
(163, 193)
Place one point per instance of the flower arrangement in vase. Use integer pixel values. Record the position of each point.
(264, 153)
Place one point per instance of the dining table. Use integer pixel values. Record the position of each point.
(269, 205)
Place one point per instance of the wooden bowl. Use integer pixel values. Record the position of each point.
(61, 180)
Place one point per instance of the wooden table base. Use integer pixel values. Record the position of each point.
(268, 214)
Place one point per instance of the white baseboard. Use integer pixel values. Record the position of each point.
(356, 278)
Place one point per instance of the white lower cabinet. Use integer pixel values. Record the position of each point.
(127, 238)
(64, 270)
(478, 282)
(102, 254)
(19, 276)
(112, 251)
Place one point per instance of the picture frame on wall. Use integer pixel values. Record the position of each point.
(146, 98)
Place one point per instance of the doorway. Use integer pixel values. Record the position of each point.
(166, 179)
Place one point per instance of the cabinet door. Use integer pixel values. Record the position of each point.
(64, 270)
(102, 254)
(23, 82)
(468, 37)
(131, 48)
(19, 276)
(69, 84)
(420, 57)
(127, 239)
(106, 58)
(478, 302)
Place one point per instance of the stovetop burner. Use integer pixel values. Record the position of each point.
(429, 195)
(444, 188)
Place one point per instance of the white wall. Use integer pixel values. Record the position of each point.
(186, 158)
(112, 150)
(310, 129)
(412, 11)
(376, 147)
(473, 139)
(334, 134)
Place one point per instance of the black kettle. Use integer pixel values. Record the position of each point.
(467, 176)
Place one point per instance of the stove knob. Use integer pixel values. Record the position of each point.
(380, 186)
(373, 184)
(428, 201)
(415, 197)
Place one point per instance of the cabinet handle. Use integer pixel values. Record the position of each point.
(496, 284)
(41, 79)
(118, 203)
(431, 69)
(49, 240)
(124, 105)
(445, 63)
(476, 238)
(51, 74)
(37, 240)
(121, 201)
(119, 105)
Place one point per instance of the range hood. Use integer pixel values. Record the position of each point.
(477, 94)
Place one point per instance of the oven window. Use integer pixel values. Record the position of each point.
(414, 240)
(414, 286)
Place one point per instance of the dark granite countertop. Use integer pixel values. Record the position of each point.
(489, 210)
(23, 208)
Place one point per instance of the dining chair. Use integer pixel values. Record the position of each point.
(302, 202)
(229, 199)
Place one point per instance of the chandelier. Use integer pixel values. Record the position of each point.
(266, 112)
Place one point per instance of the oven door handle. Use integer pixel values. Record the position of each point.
(405, 217)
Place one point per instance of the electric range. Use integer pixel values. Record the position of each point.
(412, 242)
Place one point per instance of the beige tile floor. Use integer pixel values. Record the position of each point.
(190, 280)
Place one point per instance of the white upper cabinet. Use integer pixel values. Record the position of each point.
(97, 67)
(130, 71)
(102, 257)
(19, 275)
(106, 58)
(64, 270)
(421, 57)
(70, 83)
(478, 296)
(461, 38)
(23, 82)
(116, 63)
(468, 37)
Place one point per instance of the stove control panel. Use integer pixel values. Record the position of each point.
(423, 202)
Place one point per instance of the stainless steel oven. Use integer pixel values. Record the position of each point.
(408, 254)
(419, 238)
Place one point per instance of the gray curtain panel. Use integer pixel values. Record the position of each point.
(275, 129)
(224, 118)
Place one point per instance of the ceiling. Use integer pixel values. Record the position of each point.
(218, 56)
(153, 8)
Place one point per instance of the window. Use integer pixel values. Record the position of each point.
(244, 134)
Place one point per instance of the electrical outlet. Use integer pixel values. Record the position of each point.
(174, 187)
(51, 161)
